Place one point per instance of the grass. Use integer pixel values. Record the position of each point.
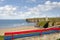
(58, 39)
(1, 37)
(42, 23)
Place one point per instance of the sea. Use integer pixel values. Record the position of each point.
(14, 23)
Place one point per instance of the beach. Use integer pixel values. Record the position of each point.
(17, 29)
(53, 36)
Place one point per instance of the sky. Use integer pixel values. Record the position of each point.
(22, 9)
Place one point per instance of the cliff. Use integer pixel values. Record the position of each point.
(42, 19)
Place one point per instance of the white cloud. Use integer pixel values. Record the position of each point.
(10, 12)
(7, 10)
(36, 11)
(47, 2)
(45, 7)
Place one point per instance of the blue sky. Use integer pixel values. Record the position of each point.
(22, 9)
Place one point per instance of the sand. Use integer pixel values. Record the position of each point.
(23, 28)
(42, 37)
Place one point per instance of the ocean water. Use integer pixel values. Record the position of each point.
(14, 23)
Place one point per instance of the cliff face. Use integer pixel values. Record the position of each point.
(35, 19)
(40, 21)
(43, 19)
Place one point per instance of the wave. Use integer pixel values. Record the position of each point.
(17, 25)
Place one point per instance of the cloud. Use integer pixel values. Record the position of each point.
(46, 6)
(11, 12)
(7, 10)
(48, 2)
(37, 10)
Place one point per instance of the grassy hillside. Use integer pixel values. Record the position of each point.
(42, 23)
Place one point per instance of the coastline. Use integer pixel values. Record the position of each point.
(14, 29)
